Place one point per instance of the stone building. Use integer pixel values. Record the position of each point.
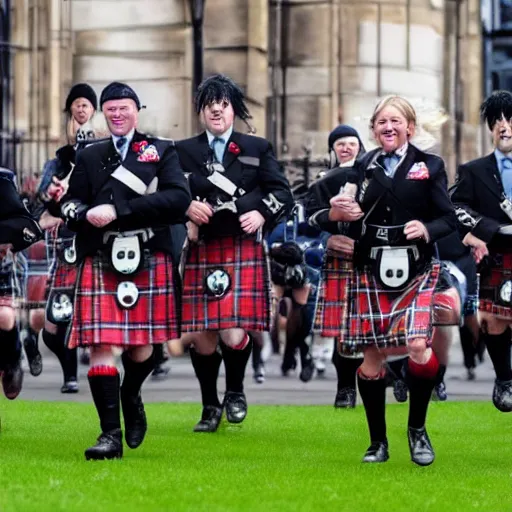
(306, 65)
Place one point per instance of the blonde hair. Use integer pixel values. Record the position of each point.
(401, 104)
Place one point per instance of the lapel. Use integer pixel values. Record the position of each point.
(203, 153)
(110, 161)
(131, 155)
(229, 157)
(406, 164)
(491, 175)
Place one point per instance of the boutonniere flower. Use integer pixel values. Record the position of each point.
(234, 148)
(149, 154)
(139, 147)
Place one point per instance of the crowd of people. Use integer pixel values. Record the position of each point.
(134, 246)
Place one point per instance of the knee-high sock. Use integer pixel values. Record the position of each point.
(373, 395)
(67, 357)
(346, 369)
(421, 379)
(135, 373)
(235, 362)
(499, 347)
(206, 369)
(104, 384)
(10, 348)
(468, 347)
(297, 330)
(158, 352)
(256, 355)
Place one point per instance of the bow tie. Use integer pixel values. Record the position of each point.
(120, 143)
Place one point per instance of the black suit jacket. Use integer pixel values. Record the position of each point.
(478, 192)
(400, 199)
(91, 184)
(261, 183)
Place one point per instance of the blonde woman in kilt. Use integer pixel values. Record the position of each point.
(238, 190)
(378, 292)
(124, 193)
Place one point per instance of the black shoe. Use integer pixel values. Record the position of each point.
(69, 387)
(259, 374)
(420, 447)
(210, 419)
(109, 446)
(12, 380)
(159, 373)
(377, 452)
(400, 390)
(84, 357)
(287, 366)
(235, 405)
(345, 398)
(307, 372)
(35, 361)
(439, 392)
(135, 423)
(471, 374)
(502, 395)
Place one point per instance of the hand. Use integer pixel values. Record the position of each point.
(344, 209)
(479, 247)
(55, 190)
(415, 229)
(48, 221)
(101, 215)
(341, 243)
(199, 213)
(192, 231)
(251, 221)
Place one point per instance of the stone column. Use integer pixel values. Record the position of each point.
(236, 44)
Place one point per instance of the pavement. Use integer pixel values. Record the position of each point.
(181, 384)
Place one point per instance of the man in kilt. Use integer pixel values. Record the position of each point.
(380, 300)
(18, 230)
(238, 190)
(483, 198)
(124, 193)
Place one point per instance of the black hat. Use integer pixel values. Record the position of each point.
(343, 130)
(119, 91)
(81, 91)
(496, 106)
(217, 88)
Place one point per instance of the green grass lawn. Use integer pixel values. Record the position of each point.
(282, 458)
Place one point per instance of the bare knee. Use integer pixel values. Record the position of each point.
(232, 337)
(7, 318)
(417, 348)
(140, 354)
(373, 362)
(51, 328)
(36, 319)
(205, 342)
(102, 356)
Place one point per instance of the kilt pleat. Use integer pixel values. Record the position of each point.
(353, 307)
(246, 304)
(98, 318)
(490, 282)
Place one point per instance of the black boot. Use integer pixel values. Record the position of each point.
(298, 327)
(499, 349)
(135, 423)
(257, 363)
(420, 392)
(373, 395)
(468, 351)
(206, 368)
(34, 359)
(346, 370)
(440, 387)
(105, 393)
(10, 363)
(235, 362)
(67, 358)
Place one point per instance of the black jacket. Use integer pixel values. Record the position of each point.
(400, 199)
(252, 166)
(477, 194)
(91, 185)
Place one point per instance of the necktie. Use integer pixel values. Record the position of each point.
(120, 144)
(218, 148)
(506, 176)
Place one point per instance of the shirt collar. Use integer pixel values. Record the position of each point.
(500, 157)
(399, 152)
(350, 163)
(226, 135)
(129, 136)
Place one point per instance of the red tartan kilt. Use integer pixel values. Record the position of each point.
(246, 304)
(37, 278)
(490, 283)
(99, 320)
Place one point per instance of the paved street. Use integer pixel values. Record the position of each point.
(181, 385)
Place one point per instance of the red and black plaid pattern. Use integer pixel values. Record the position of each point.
(37, 275)
(246, 304)
(369, 315)
(490, 283)
(99, 320)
